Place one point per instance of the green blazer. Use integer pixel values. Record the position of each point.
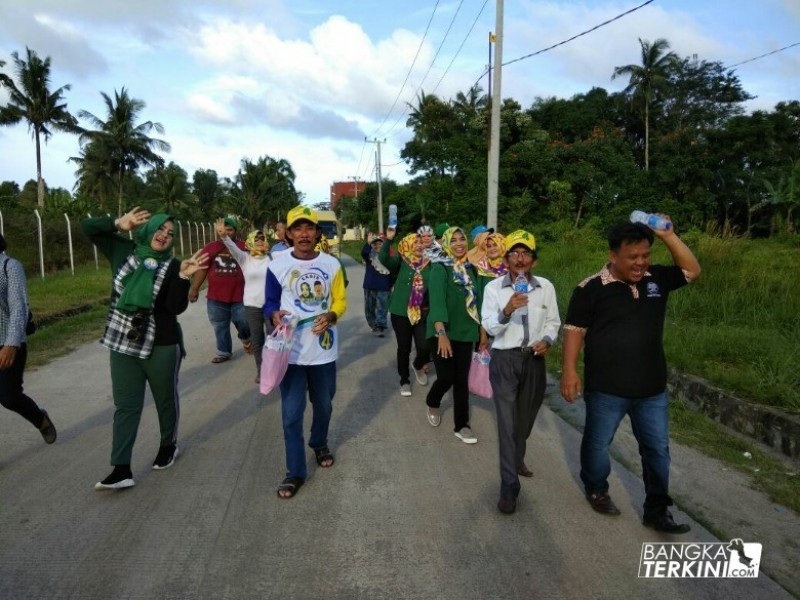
(448, 304)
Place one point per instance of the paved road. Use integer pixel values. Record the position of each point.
(408, 511)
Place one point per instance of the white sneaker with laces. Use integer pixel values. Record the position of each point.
(405, 389)
(465, 435)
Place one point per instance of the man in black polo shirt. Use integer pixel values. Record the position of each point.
(619, 315)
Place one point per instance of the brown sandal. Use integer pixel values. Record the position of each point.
(219, 359)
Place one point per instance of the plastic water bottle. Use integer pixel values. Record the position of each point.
(652, 221)
(521, 285)
(393, 216)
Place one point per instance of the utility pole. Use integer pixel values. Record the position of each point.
(378, 143)
(355, 184)
(494, 137)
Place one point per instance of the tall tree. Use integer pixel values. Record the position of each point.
(646, 79)
(31, 100)
(122, 144)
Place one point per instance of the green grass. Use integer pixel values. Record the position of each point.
(353, 249)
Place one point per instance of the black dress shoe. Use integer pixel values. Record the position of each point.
(664, 522)
(602, 503)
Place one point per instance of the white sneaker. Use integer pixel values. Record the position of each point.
(422, 377)
(465, 435)
(434, 416)
(405, 389)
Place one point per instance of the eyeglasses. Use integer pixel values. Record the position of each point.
(138, 331)
(520, 254)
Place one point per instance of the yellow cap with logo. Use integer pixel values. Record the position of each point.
(301, 213)
(520, 237)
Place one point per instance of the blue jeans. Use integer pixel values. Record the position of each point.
(221, 314)
(320, 381)
(650, 424)
(375, 308)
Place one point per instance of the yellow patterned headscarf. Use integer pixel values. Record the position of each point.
(488, 267)
(323, 245)
(460, 275)
(416, 295)
(250, 243)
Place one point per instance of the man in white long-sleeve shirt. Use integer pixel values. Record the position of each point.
(517, 369)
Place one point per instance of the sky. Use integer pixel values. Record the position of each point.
(310, 81)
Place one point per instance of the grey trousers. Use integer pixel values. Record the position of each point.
(518, 385)
(259, 326)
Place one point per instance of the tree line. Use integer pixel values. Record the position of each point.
(120, 163)
(675, 140)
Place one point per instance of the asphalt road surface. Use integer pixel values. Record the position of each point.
(408, 510)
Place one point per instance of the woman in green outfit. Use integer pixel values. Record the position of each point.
(407, 304)
(454, 320)
(149, 289)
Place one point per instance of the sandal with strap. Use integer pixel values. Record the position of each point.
(248, 346)
(324, 457)
(291, 485)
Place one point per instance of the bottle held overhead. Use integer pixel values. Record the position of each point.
(651, 220)
(393, 216)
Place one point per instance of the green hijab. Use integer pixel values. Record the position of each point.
(137, 292)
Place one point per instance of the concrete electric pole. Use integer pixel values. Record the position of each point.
(494, 132)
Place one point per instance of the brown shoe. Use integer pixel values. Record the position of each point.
(524, 471)
(507, 506)
(603, 504)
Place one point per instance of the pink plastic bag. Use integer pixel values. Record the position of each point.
(479, 383)
(275, 357)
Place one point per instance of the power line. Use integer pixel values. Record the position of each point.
(458, 51)
(478, 16)
(749, 60)
(574, 37)
(410, 69)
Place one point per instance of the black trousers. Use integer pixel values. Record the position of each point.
(452, 372)
(406, 333)
(11, 394)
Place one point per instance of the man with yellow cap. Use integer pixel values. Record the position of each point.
(524, 325)
(312, 362)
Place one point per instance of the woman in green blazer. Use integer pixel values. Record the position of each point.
(454, 320)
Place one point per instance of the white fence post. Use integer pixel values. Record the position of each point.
(69, 243)
(197, 234)
(180, 236)
(41, 247)
(94, 249)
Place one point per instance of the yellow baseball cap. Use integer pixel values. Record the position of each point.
(301, 213)
(520, 237)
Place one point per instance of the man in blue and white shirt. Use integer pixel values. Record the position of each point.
(14, 349)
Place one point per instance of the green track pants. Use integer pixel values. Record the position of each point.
(129, 375)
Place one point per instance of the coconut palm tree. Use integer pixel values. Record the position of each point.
(263, 188)
(646, 79)
(31, 100)
(122, 145)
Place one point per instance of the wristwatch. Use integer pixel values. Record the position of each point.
(440, 332)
